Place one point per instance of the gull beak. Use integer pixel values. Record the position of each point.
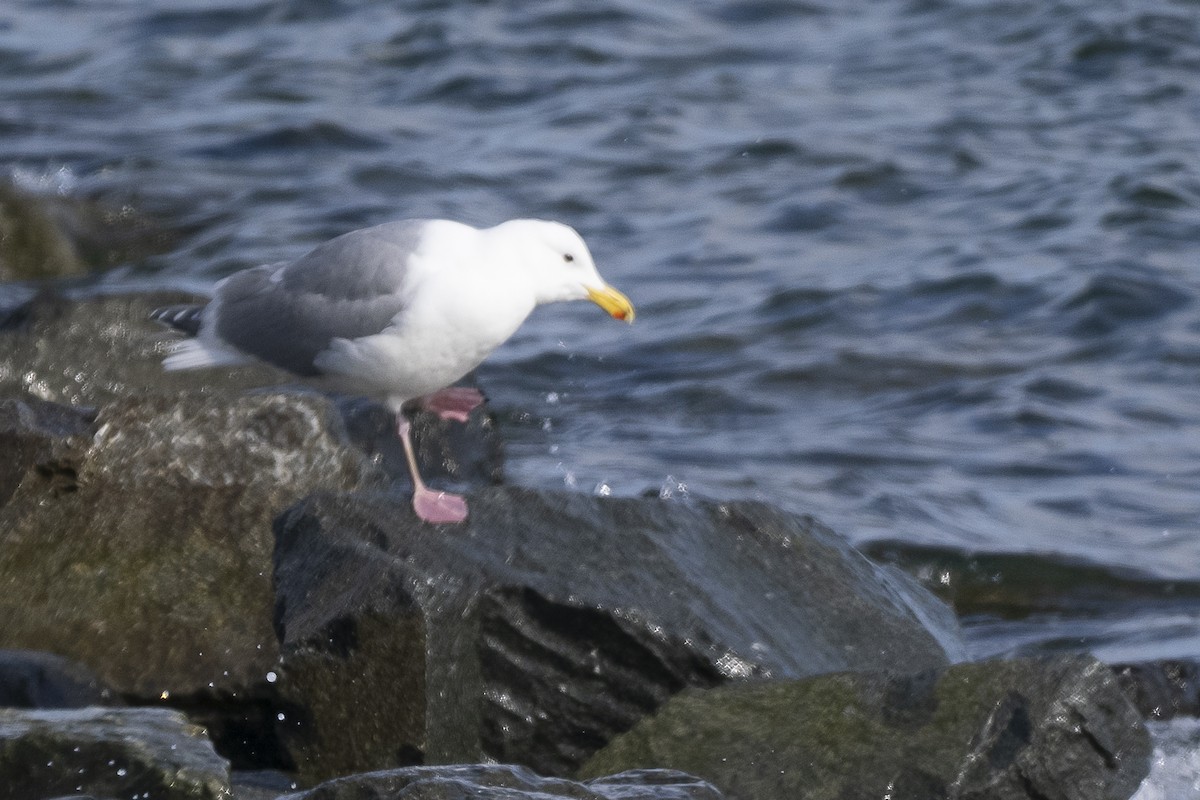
(612, 301)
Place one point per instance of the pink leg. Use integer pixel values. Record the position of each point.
(430, 504)
(455, 403)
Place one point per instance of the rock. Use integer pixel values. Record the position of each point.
(1036, 729)
(261, 785)
(53, 236)
(93, 351)
(108, 752)
(549, 622)
(32, 243)
(505, 782)
(452, 455)
(40, 436)
(1162, 689)
(89, 352)
(30, 679)
(142, 547)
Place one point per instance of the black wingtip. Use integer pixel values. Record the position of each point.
(185, 318)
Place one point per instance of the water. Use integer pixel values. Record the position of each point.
(1175, 764)
(924, 269)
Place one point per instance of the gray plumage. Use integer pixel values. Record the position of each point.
(346, 288)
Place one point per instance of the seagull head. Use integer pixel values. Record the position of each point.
(558, 265)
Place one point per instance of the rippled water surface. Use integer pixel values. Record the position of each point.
(927, 270)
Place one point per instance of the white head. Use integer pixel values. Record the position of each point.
(557, 263)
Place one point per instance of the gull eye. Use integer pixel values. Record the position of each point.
(567, 257)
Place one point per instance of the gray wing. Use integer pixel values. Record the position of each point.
(347, 288)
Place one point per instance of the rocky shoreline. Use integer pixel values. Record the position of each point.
(215, 589)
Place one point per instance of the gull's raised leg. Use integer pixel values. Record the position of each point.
(431, 505)
(456, 402)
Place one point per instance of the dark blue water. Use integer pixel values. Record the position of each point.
(927, 270)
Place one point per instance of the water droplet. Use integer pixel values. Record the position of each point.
(671, 487)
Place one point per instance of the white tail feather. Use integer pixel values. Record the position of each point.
(197, 354)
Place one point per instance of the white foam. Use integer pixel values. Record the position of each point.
(1175, 764)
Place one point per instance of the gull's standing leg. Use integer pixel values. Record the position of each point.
(455, 403)
(431, 505)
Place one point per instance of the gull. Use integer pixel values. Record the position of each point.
(397, 312)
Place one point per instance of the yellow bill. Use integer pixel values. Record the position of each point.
(612, 301)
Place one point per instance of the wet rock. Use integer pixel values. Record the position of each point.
(142, 547)
(1162, 689)
(53, 236)
(549, 622)
(505, 782)
(1034, 729)
(36, 435)
(261, 785)
(32, 242)
(89, 352)
(29, 679)
(452, 455)
(108, 753)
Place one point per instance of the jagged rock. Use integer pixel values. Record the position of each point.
(1010, 730)
(29, 679)
(142, 546)
(550, 621)
(505, 782)
(108, 752)
(1162, 689)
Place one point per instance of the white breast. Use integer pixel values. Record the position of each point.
(453, 320)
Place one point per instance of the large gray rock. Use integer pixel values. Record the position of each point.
(108, 752)
(505, 782)
(550, 621)
(1000, 730)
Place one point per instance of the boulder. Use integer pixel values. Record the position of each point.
(506, 782)
(1009, 730)
(29, 679)
(108, 752)
(141, 545)
(551, 621)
